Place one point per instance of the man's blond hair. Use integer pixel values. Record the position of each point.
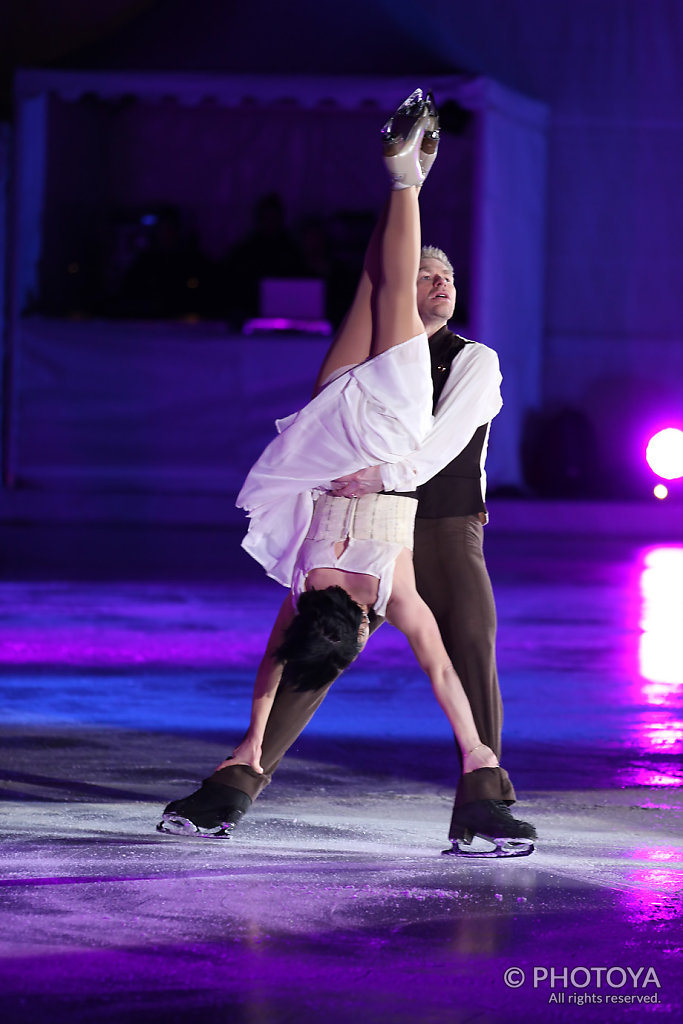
(431, 252)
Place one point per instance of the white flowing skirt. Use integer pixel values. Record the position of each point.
(378, 411)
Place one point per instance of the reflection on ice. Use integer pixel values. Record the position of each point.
(653, 895)
(639, 775)
(658, 853)
(664, 736)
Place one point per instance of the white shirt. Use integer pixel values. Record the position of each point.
(470, 398)
(377, 412)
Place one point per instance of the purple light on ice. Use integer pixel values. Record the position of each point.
(134, 625)
(652, 895)
(664, 453)
(648, 778)
(665, 736)
(653, 661)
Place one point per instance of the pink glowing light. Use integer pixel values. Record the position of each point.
(651, 895)
(658, 853)
(661, 640)
(664, 453)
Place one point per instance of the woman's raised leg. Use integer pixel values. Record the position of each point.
(384, 311)
(395, 317)
(353, 340)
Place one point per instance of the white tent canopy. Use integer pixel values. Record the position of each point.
(506, 214)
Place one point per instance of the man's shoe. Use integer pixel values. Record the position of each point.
(211, 812)
(486, 828)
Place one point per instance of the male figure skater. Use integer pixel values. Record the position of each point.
(449, 561)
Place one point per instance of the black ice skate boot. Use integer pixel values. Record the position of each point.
(486, 828)
(211, 812)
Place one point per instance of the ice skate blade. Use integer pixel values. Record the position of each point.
(490, 846)
(401, 121)
(176, 825)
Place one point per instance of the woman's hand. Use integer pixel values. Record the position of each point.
(365, 481)
(248, 752)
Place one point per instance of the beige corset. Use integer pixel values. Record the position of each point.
(388, 518)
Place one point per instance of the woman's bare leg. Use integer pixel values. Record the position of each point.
(395, 317)
(353, 340)
(409, 613)
(384, 310)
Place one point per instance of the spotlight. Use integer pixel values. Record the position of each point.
(664, 453)
(660, 491)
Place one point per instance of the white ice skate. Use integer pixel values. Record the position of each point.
(403, 137)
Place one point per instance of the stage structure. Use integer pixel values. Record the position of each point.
(119, 405)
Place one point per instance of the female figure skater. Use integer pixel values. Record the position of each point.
(346, 559)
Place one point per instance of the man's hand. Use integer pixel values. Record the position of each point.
(365, 481)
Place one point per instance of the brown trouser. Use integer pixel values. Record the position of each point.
(452, 578)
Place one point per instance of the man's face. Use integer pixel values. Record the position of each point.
(435, 292)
